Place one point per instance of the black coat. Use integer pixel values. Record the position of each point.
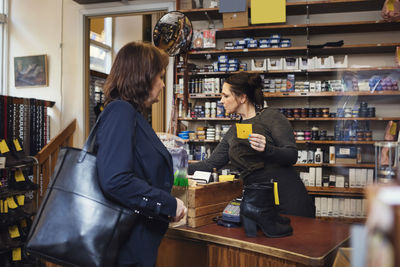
(136, 170)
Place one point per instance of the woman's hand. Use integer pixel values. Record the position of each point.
(257, 142)
(180, 211)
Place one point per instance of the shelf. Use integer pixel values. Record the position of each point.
(320, 142)
(298, 8)
(313, 71)
(356, 49)
(342, 219)
(208, 119)
(202, 141)
(301, 29)
(299, 50)
(336, 165)
(250, 52)
(335, 191)
(346, 119)
(331, 94)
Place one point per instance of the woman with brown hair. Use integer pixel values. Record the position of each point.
(134, 167)
(265, 158)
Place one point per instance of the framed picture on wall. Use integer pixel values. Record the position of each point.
(31, 71)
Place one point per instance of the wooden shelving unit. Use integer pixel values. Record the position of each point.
(333, 142)
(297, 50)
(335, 191)
(298, 72)
(347, 119)
(208, 119)
(298, 8)
(300, 49)
(336, 165)
(305, 94)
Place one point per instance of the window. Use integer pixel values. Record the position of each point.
(101, 44)
(3, 42)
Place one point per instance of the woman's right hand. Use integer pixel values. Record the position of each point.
(180, 211)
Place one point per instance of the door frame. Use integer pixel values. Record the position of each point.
(125, 9)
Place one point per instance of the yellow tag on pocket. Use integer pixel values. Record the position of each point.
(16, 254)
(276, 193)
(17, 145)
(3, 147)
(1, 206)
(21, 200)
(19, 176)
(11, 203)
(243, 130)
(14, 232)
(24, 224)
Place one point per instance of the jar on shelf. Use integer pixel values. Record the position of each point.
(387, 162)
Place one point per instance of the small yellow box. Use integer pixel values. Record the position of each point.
(226, 178)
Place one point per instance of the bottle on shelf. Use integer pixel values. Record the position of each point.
(214, 175)
(318, 156)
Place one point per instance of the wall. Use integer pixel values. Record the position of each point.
(55, 28)
(127, 29)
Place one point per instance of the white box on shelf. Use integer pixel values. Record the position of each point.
(352, 207)
(370, 176)
(352, 177)
(358, 175)
(339, 181)
(275, 64)
(325, 62)
(311, 180)
(364, 207)
(340, 64)
(259, 64)
(358, 208)
(318, 176)
(317, 206)
(303, 63)
(324, 206)
(341, 207)
(335, 212)
(311, 63)
(347, 211)
(306, 177)
(363, 177)
(330, 206)
(290, 63)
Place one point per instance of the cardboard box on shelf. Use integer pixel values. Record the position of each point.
(235, 19)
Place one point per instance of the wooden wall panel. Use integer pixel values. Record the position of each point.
(181, 253)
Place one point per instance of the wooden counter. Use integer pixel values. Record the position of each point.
(313, 243)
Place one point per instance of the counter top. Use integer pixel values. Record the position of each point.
(311, 243)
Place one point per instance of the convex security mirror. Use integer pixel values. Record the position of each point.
(173, 33)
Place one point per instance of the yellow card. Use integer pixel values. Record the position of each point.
(3, 147)
(19, 176)
(1, 206)
(16, 254)
(268, 11)
(21, 200)
(14, 232)
(243, 130)
(11, 203)
(17, 145)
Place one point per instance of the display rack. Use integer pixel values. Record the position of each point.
(306, 99)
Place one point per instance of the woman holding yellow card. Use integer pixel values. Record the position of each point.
(262, 147)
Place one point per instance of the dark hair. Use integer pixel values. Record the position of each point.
(133, 72)
(248, 84)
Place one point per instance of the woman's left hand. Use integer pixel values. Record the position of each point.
(257, 142)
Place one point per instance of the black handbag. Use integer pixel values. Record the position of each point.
(76, 225)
